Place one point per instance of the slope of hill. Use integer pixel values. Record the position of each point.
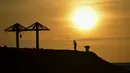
(54, 61)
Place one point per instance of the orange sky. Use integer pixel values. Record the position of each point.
(110, 40)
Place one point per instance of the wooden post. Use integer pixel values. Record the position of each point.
(16, 28)
(17, 39)
(37, 38)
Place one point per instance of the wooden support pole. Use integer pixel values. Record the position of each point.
(37, 38)
(17, 39)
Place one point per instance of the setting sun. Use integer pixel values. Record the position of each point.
(85, 18)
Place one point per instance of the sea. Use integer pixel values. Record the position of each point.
(125, 65)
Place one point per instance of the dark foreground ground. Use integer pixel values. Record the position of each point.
(54, 61)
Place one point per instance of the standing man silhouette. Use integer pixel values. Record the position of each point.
(75, 45)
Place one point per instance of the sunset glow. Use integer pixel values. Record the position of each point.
(85, 18)
(104, 25)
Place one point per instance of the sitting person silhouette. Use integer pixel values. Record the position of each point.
(5, 46)
(75, 45)
(87, 48)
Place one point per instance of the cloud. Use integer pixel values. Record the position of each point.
(100, 39)
(99, 2)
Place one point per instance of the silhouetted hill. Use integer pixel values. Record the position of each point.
(54, 61)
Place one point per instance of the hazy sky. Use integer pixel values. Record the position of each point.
(110, 40)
